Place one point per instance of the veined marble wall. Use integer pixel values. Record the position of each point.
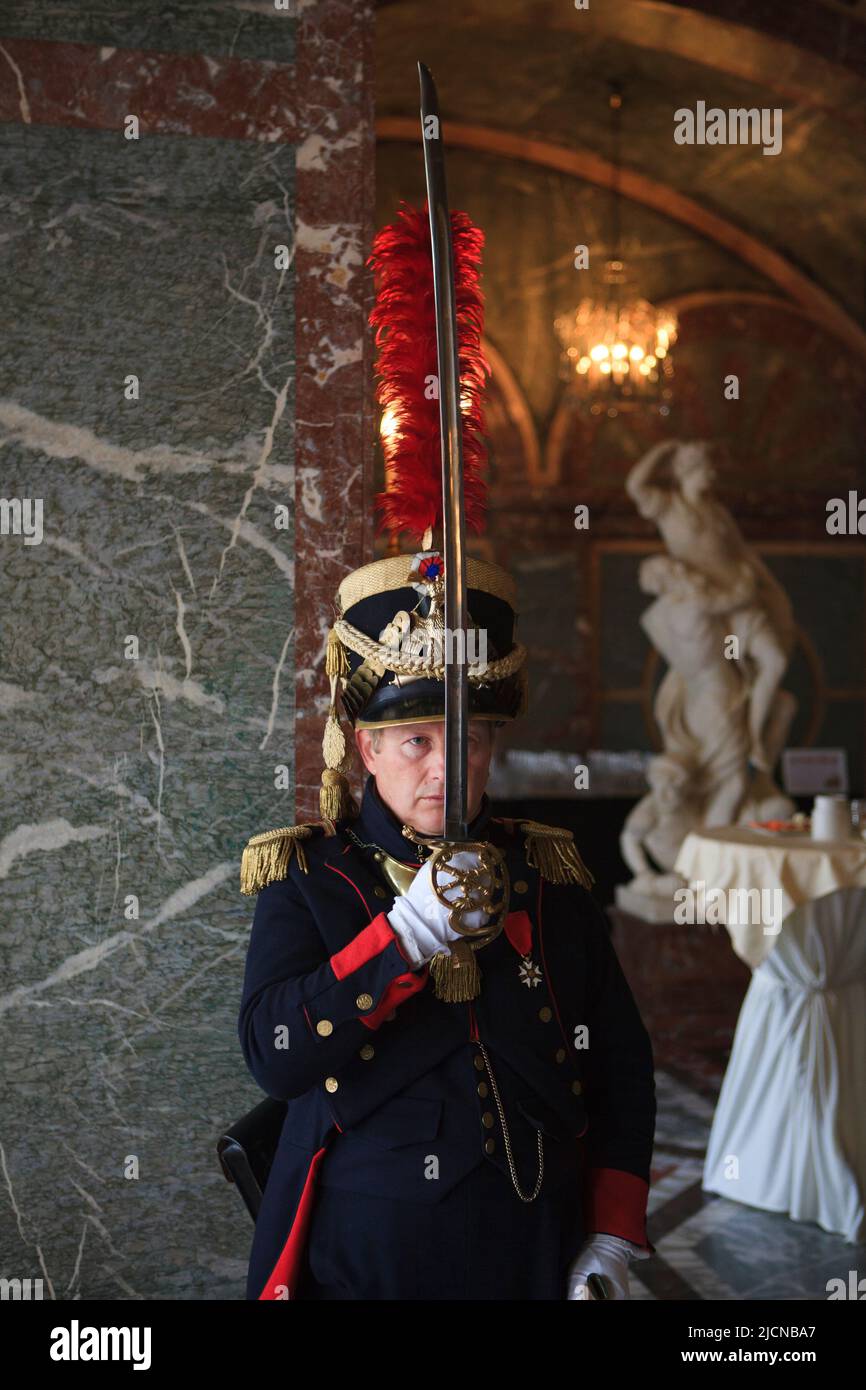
(167, 384)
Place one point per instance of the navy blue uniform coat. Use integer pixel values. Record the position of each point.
(379, 1074)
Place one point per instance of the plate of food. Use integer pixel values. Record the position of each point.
(799, 824)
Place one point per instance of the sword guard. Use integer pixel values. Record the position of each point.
(485, 888)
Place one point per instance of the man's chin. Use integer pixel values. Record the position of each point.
(428, 817)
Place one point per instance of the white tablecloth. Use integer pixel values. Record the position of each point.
(801, 869)
(789, 1131)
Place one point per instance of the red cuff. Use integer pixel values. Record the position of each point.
(370, 942)
(615, 1202)
(401, 988)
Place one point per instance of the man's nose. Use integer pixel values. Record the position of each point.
(436, 763)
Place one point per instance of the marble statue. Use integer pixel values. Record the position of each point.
(719, 706)
(657, 825)
(700, 532)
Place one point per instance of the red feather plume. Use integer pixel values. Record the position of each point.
(404, 318)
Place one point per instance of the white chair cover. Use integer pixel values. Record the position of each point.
(792, 1109)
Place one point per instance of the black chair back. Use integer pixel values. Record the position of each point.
(246, 1151)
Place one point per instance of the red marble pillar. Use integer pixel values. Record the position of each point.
(335, 417)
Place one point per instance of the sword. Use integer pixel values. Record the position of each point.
(451, 430)
(456, 977)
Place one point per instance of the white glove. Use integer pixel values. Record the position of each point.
(421, 921)
(605, 1255)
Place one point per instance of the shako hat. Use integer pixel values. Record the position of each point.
(386, 648)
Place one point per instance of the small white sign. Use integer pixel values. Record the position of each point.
(807, 771)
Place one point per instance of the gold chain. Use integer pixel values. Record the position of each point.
(508, 1154)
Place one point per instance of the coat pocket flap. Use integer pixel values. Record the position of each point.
(404, 1120)
(542, 1117)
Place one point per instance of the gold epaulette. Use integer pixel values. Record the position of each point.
(551, 850)
(266, 857)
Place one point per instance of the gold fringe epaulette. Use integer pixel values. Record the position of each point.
(267, 857)
(551, 850)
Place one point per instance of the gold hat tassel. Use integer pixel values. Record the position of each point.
(335, 796)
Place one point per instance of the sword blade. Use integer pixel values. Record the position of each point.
(451, 429)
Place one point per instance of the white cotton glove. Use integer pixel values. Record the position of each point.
(421, 921)
(605, 1255)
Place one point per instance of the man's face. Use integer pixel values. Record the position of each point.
(409, 767)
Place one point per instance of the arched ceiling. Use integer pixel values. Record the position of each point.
(523, 90)
(539, 72)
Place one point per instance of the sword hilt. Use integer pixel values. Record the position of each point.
(483, 888)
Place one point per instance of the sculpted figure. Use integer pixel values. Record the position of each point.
(672, 485)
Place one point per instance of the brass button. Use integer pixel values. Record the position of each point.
(380, 892)
(521, 886)
(489, 1145)
(479, 1061)
(364, 1001)
(560, 1055)
(545, 1014)
(482, 1088)
(367, 1051)
(331, 1083)
(487, 1119)
(324, 1027)
(576, 1087)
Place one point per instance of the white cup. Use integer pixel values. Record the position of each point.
(831, 818)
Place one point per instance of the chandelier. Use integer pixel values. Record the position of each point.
(616, 348)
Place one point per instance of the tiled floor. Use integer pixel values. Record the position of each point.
(708, 1247)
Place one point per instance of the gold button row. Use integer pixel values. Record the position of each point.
(368, 1051)
(489, 1146)
(331, 1083)
(324, 1027)
(545, 1015)
(364, 1001)
(487, 1119)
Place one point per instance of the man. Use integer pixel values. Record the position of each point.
(436, 1146)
